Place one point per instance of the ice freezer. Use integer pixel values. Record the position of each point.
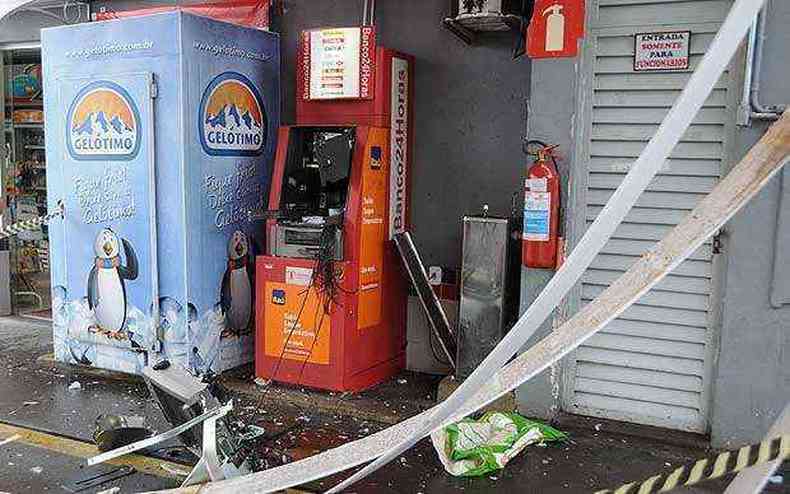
(160, 135)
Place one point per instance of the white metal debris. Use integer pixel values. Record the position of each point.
(11, 439)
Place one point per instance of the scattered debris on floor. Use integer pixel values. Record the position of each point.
(472, 448)
(111, 490)
(334, 420)
(174, 471)
(87, 478)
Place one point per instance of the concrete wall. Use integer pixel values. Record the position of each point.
(752, 385)
(469, 111)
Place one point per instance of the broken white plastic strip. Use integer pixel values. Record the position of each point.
(744, 181)
(644, 169)
(753, 480)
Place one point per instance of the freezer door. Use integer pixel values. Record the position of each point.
(105, 151)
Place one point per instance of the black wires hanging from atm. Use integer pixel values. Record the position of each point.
(326, 281)
(328, 278)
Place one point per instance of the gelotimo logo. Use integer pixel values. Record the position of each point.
(103, 123)
(233, 120)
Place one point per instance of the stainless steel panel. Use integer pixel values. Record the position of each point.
(484, 280)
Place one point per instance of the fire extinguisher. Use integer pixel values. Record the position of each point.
(541, 208)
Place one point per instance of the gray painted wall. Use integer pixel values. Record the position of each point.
(469, 111)
(774, 90)
(752, 385)
(552, 108)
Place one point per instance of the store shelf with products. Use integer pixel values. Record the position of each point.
(17, 102)
(24, 177)
(9, 126)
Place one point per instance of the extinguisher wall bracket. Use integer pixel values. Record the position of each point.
(540, 150)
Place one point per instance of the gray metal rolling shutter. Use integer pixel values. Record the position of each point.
(650, 365)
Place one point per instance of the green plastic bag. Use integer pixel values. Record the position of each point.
(471, 448)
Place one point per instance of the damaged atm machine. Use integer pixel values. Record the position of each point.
(160, 134)
(331, 291)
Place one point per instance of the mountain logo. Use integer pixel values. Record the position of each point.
(103, 124)
(232, 118)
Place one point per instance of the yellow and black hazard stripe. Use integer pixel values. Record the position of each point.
(710, 468)
(31, 224)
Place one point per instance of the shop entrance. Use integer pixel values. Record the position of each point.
(24, 273)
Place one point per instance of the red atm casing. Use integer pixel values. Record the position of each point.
(362, 341)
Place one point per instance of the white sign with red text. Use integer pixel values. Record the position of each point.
(662, 51)
(339, 63)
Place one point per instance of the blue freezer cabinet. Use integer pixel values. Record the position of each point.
(160, 136)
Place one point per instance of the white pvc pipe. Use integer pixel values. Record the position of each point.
(644, 169)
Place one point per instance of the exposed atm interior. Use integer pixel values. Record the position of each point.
(314, 192)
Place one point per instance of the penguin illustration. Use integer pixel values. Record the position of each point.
(106, 288)
(237, 286)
